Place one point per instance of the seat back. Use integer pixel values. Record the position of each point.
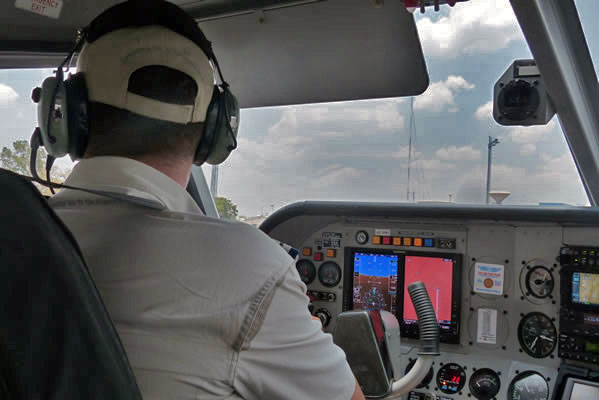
(56, 338)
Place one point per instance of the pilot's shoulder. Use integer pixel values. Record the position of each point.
(234, 240)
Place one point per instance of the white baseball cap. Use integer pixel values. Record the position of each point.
(109, 61)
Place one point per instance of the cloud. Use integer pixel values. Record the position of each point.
(440, 96)
(483, 26)
(529, 136)
(7, 95)
(454, 153)
(485, 112)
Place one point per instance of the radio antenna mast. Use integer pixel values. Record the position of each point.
(412, 129)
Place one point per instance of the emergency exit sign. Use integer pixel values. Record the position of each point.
(48, 8)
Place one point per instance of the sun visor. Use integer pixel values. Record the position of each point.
(273, 52)
(334, 50)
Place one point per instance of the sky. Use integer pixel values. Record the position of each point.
(359, 150)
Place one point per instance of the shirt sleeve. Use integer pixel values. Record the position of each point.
(290, 357)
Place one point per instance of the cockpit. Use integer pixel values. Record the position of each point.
(386, 142)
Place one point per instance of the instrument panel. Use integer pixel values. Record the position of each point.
(506, 286)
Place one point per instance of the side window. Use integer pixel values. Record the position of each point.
(19, 116)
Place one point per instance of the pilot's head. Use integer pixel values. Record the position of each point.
(151, 87)
(148, 87)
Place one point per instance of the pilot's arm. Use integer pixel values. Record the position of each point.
(290, 357)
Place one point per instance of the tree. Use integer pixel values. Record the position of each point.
(226, 209)
(16, 159)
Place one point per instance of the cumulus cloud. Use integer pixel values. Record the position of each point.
(454, 153)
(529, 136)
(440, 96)
(7, 95)
(484, 112)
(482, 26)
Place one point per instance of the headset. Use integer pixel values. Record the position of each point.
(63, 103)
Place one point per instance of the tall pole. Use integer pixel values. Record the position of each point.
(412, 126)
(492, 142)
(214, 182)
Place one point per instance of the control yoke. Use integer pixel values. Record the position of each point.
(371, 342)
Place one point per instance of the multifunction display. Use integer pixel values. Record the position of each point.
(585, 288)
(379, 279)
(437, 275)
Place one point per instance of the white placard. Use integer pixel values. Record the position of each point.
(48, 8)
(382, 232)
(488, 278)
(486, 329)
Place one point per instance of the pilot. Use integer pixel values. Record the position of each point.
(206, 308)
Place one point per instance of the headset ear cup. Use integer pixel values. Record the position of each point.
(77, 116)
(209, 131)
(51, 110)
(225, 138)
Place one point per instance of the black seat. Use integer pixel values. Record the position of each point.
(56, 338)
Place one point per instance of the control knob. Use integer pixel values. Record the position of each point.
(324, 315)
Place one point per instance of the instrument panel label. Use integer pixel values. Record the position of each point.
(486, 329)
(382, 232)
(331, 240)
(47, 8)
(488, 278)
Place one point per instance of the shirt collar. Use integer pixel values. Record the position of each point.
(129, 177)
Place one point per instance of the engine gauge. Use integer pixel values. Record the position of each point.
(329, 274)
(528, 385)
(427, 379)
(451, 378)
(306, 270)
(537, 335)
(484, 384)
(539, 282)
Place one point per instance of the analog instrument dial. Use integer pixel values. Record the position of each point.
(528, 385)
(537, 335)
(539, 282)
(484, 384)
(329, 274)
(306, 271)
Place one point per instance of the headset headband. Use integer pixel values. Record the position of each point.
(137, 13)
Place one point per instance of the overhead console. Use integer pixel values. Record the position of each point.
(516, 290)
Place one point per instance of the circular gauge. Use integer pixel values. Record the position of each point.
(306, 270)
(362, 237)
(484, 384)
(427, 379)
(451, 378)
(539, 282)
(537, 335)
(329, 274)
(528, 385)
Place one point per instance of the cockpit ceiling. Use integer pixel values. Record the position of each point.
(273, 52)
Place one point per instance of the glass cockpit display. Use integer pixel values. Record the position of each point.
(375, 281)
(379, 280)
(585, 288)
(437, 275)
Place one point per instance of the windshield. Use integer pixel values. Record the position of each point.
(432, 147)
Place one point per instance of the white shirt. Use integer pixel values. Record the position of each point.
(205, 308)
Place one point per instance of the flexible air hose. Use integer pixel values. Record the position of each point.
(427, 319)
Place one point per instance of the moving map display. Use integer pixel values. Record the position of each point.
(585, 288)
(375, 281)
(437, 275)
